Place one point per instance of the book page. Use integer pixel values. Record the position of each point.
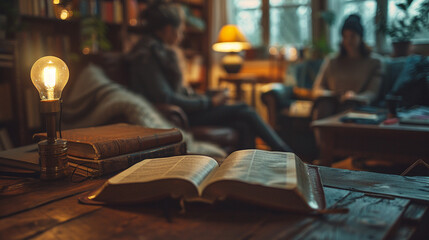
(193, 168)
(272, 169)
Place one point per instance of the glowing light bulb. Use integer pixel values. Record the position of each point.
(49, 75)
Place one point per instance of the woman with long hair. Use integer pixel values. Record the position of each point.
(353, 76)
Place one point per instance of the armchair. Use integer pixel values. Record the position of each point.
(225, 137)
(294, 129)
(115, 65)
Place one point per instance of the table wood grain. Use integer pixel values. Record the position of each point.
(33, 209)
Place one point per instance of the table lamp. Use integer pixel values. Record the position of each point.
(231, 41)
(49, 75)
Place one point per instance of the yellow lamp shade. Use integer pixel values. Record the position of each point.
(230, 39)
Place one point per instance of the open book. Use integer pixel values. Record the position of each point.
(275, 179)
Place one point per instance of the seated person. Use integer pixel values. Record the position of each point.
(155, 73)
(353, 76)
(93, 99)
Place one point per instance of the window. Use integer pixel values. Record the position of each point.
(248, 17)
(393, 11)
(367, 10)
(343, 8)
(289, 21)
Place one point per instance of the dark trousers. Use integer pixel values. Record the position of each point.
(243, 118)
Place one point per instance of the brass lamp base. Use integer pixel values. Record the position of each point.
(53, 159)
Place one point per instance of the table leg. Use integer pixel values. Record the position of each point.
(253, 95)
(238, 91)
(325, 141)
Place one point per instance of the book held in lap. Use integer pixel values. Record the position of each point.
(276, 179)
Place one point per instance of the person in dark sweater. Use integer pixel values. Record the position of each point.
(155, 73)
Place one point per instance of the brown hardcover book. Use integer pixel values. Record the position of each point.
(275, 179)
(114, 140)
(114, 164)
(27, 157)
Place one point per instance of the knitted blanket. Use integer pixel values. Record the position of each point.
(95, 100)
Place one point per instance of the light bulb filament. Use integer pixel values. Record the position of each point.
(49, 79)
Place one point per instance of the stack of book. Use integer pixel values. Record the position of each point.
(97, 151)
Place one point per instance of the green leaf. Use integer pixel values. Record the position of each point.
(402, 6)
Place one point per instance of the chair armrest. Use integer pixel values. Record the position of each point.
(276, 96)
(303, 93)
(174, 114)
(281, 94)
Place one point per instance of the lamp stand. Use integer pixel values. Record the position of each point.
(52, 152)
(232, 62)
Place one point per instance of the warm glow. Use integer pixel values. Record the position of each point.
(230, 39)
(86, 50)
(273, 51)
(49, 75)
(230, 46)
(292, 54)
(133, 22)
(49, 79)
(64, 14)
(56, 1)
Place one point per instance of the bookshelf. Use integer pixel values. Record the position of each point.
(10, 118)
(42, 32)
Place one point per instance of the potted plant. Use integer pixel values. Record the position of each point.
(404, 27)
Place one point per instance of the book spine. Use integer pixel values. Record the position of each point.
(50, 9)
(6, 111)
(132, 12)
(108, 8)
(36, 8)
(123, 146)
(122, 162)
(117, 11)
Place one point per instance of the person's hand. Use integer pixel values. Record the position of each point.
(219, 99)
(322, 93)
(349, 95)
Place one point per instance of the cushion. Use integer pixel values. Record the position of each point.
(413, 81)
(392, 67)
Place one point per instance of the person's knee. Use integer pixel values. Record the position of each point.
(248, 113)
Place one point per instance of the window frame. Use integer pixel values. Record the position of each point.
(265, 18)
(318, 28)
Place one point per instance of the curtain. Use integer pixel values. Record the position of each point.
(219, 15)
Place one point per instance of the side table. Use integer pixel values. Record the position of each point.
(239, 79)
(396, 142)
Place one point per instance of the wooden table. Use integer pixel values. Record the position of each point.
(239, 79)
(32, 209)
(398, 143)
